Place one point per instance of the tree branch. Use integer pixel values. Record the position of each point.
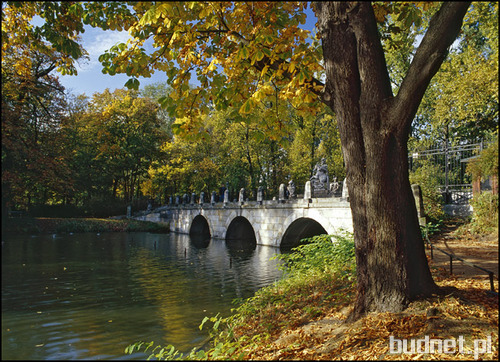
(313, 82)
(259, 65)
(443, 29)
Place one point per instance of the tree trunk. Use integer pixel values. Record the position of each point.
(374, 128)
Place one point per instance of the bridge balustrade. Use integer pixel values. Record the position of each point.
(216, 198)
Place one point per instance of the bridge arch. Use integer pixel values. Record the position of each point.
(300, 228)
(240, 234)
(199, 232)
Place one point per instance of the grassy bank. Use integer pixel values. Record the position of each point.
(42, 225)
(304, 316)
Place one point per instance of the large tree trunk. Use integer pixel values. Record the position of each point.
(374, 127)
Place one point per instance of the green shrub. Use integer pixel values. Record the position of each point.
(484, 214)
(54, 211)
(427, 176)
(79, 225)
(20, 225)
(319, 254)
(98, 207)
(104, 207)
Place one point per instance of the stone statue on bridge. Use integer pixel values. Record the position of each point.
(319, 181)
(335, 188)
(260, 195)
(291, 190)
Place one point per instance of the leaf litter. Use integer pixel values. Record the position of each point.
(469, 312)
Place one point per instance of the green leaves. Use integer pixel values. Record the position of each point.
(463, 96)
(152, 14)
(257, 56)
(320, 253)
(132, 83)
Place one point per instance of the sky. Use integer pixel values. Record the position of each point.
(90, 78)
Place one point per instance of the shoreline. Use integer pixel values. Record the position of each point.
(41, 225)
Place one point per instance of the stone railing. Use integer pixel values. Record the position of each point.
(286, 192)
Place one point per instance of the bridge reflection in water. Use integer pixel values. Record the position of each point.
(240, 235)
(200, 232)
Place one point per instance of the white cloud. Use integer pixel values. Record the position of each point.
(96, 42)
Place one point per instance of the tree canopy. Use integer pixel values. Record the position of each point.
(252, 70)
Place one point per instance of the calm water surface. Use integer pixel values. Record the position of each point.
(88, 296)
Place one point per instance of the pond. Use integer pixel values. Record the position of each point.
(88, 295)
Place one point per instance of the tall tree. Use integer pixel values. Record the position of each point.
(124, 134)
(33, 161)
(32, 98)
(465, 110)
(240, 52)
(374, 129)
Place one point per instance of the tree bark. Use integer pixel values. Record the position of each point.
(374, 126)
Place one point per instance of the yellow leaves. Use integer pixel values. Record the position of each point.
(190, 37)
(301, 76)
(309, 97)
(213, 65)
(243, 53)
(248, 106)
(425, 5)
(263, 92)
(264, 71)
(176, 35)
(205, 11)
(165, 8)
(257, 56)
(380, 11)
(291, 67)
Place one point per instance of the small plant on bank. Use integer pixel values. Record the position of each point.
(318, 277)
(431, 228)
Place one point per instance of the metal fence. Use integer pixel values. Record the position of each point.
(454, 183)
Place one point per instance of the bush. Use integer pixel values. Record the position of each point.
(319, 254)
(54, 211)
(95, 208)
(427, 176)
(484, 214)
(104, 207)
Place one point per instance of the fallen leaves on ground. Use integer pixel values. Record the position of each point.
(471, 312)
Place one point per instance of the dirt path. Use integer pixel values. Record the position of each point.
(479, 250)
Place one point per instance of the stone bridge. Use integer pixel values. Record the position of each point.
(279, 223)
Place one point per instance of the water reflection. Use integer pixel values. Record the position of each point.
(240, 236)
(200, 232)
(200, 241)
(88, 296)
